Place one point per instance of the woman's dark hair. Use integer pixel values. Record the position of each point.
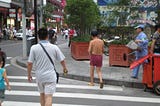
(43, 33)
(157, 26)
(1, 59)
(94, 33)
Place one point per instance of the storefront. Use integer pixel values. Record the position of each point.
(4, 6)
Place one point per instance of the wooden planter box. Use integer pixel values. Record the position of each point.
(119, 55)
(79, 50)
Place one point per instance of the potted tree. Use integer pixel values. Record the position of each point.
(119, 53)
(83, 15)
(117, 26)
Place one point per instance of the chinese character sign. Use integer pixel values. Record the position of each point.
(144, 3)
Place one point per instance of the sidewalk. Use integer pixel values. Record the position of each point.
(79, 70)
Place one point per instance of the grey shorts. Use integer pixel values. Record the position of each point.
(47, 87)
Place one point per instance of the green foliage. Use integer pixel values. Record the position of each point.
(82, 14)
(123, 2)
(120, 42)
(84, 38)
(47, 13)
(118, 31)
(158, 18)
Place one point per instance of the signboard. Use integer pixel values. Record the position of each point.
(105, 2)
(5, 3)
(144, 3)
(12, 13)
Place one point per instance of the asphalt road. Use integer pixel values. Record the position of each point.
(69, 92)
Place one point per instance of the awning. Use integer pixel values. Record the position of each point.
(5, 3)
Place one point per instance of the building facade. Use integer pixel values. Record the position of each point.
(138, 11)
(4, 6)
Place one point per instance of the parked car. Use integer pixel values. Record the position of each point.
(19, 34)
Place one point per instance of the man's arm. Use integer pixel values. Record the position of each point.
(89, 48)
(64, 66)
(29, 69)
(7, 81)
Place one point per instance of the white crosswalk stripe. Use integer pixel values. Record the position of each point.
(88, 96)
(65, 94)
(68, 86)
(8, 58)
(12, 103)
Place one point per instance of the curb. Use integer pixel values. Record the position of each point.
(86, 78)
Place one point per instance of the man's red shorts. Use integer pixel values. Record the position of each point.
(96, 60)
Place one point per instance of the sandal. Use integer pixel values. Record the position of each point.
(91, 84)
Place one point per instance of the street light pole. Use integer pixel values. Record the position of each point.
(24, 29)
(41, 14)
(35, 20)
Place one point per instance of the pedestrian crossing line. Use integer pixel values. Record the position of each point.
(15, 103)
(110, 88)
(19, 77)
(88, 96)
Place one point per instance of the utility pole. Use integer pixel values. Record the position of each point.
(41, 14)
(35, 20)
(24, 29)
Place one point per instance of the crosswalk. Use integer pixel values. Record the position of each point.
(24, 93)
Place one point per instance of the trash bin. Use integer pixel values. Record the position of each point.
(30, 42)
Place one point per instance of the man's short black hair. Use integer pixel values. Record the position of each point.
(94, 33)
(42, 33)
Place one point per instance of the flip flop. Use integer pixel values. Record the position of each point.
(91, 84)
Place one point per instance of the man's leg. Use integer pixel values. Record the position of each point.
(91, 75)
(48, 100)
(50, 88)
(135, 72)
(42, 99)
(99, 72)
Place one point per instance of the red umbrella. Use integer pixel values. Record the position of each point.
(139, 61)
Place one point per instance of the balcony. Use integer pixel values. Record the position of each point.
(57, 3)
(5, 3)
